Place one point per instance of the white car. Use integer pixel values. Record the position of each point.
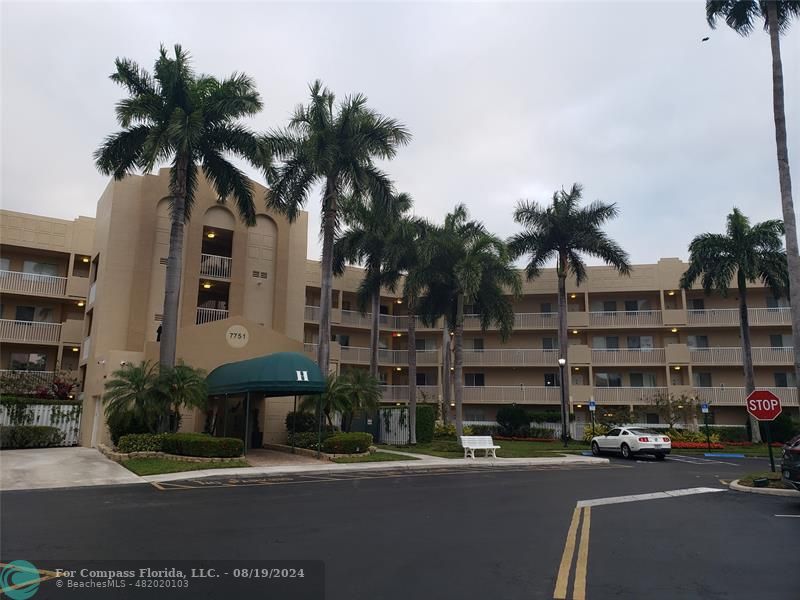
(630, 441)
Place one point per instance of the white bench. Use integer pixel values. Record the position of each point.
(470, 443)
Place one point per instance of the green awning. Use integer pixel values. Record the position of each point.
(279, 374)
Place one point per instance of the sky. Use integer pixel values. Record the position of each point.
(505, 101)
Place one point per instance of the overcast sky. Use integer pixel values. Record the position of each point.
(505, 101)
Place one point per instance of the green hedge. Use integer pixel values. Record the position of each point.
(303, 421)
(30, 436)
(426, 422)
(347, 443)
(728, 434)
(308, 439)
(141, 442)
(202, 444)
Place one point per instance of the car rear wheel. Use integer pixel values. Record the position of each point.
(595, 449)
(626, 451)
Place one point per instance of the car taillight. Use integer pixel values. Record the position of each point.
(644, 439)
(666, 440)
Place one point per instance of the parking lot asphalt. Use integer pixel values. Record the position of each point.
(470, 534)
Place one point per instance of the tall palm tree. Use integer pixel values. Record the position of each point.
(743, 254)
(741, 16)
(565, 231)
(376, 237)
(337, 145)
(189, 121)
(467, 264)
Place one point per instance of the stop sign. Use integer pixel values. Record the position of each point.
(763, 405)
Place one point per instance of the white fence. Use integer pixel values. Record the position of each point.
(29, 331)
(64, 417)
(207, 315)
(215, 266)
(32, 283)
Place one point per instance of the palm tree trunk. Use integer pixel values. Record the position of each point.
(172, 288)
(374, 332)
(412, 374)
(458, 364)
(747, 352)
(326, 284)
(785, 180)
(445, 373)
(563, 347)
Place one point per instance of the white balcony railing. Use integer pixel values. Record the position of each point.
(733, 356)
(508, 394)
(355, 318)
(521, 321)
(503, 357)
(207, 315)
(628, 356)
(735, 396)
(399, 393)
(29, 331)
(218, 267)
(33, 378)
(312, 314)
(626, 395)
(31, 283)
(730, 316)
(625, 318)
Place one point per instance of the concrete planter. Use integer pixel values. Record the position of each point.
(123, 456)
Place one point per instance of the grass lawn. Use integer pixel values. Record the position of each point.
(156, 466)
(774, 480)
(376, 457)
(508, 449)
(756, 450)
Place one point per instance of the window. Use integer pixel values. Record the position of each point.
(422, 379)
(702, 379)
(477, 343)
(474, 414)
(546, 307)
(643, 380)
(25, 313)
(610, 342)
(697, 341)
(610, 306)
(551, 379)
(344, 340)
(27, 361)
(607, 380)
(36, 268)
(548, 343)
(640, 342)
(780, 341)
(631, 305)
(697, 304)
(773, 302)
(613, 433)
(651, 418)
(421, 344)
(474, 380)
(345, 304)
(784, 379)
(5, 264)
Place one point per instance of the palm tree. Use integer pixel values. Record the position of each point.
(187, 120)
(565, 231)
(363, 392)
(332, 400)
(777, 14)
(336, 145)
(182, 386)
(131, 396)
(743, 254)
(376, 237)
(467, 265)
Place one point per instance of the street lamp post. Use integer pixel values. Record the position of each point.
(564, 416)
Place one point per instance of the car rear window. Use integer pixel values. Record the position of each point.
(644, 432)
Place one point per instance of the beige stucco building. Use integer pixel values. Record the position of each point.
(87, 295)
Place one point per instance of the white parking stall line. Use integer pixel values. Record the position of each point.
(789, 516)
(651, 496)
(683, 459)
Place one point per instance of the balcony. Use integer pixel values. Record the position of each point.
(27, 377)
(626, 318)
(207, 315)
(521, 321)
(512, 394)
(399, 393)
(510, 358)
(729, 317)
(628, 356)
(627, 395)
(29, 331)
(735, 396)
(733, 356)
(218, 267)
(357, 355)
(31, 283)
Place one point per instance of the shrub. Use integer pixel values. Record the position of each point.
(120, 423)
(347, 443)
(697, 437)
(549, 416)
(484, 430)
(782, 429)
(599, 429)
(727, 434)
(307, 439)
(446, 446)
(141, 442)
(303, 421)
(426, 421)
(201, 444)
(512, 419)
(29, 436)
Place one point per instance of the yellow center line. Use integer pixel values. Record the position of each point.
(562, 580)
(579, 587)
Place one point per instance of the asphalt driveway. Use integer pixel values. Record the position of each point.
(41, 468)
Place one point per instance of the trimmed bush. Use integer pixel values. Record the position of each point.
(303, 421)
(727, 434)
(426, 422)
(308, 439)
(512, 419)
(782, 429)
(30, 436)
(484, 430)
(448, 432)
(120, 424)
(347, 443)
(201, 444)
(141, 442)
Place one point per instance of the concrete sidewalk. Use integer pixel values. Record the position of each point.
(427, 463)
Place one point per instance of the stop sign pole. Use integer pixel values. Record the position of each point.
(763, 405)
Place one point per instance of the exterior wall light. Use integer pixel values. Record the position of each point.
(211, 235)
(85, 259)
(207, 285)
(674, 330)
(81, 303)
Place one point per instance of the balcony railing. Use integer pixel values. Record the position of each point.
(625, 318)
(503, 357)
(354, 318)
(31, 283)
(399, 393)
(626, 395)
(508, 394)
(29, 331)
(312, 314)
(628, 356)
(32, 378)
(218, 267)
(730, 316)
(735, 396)
(207, 315)
(733, 356)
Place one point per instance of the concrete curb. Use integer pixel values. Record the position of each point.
(735, 485)
(421, 465)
